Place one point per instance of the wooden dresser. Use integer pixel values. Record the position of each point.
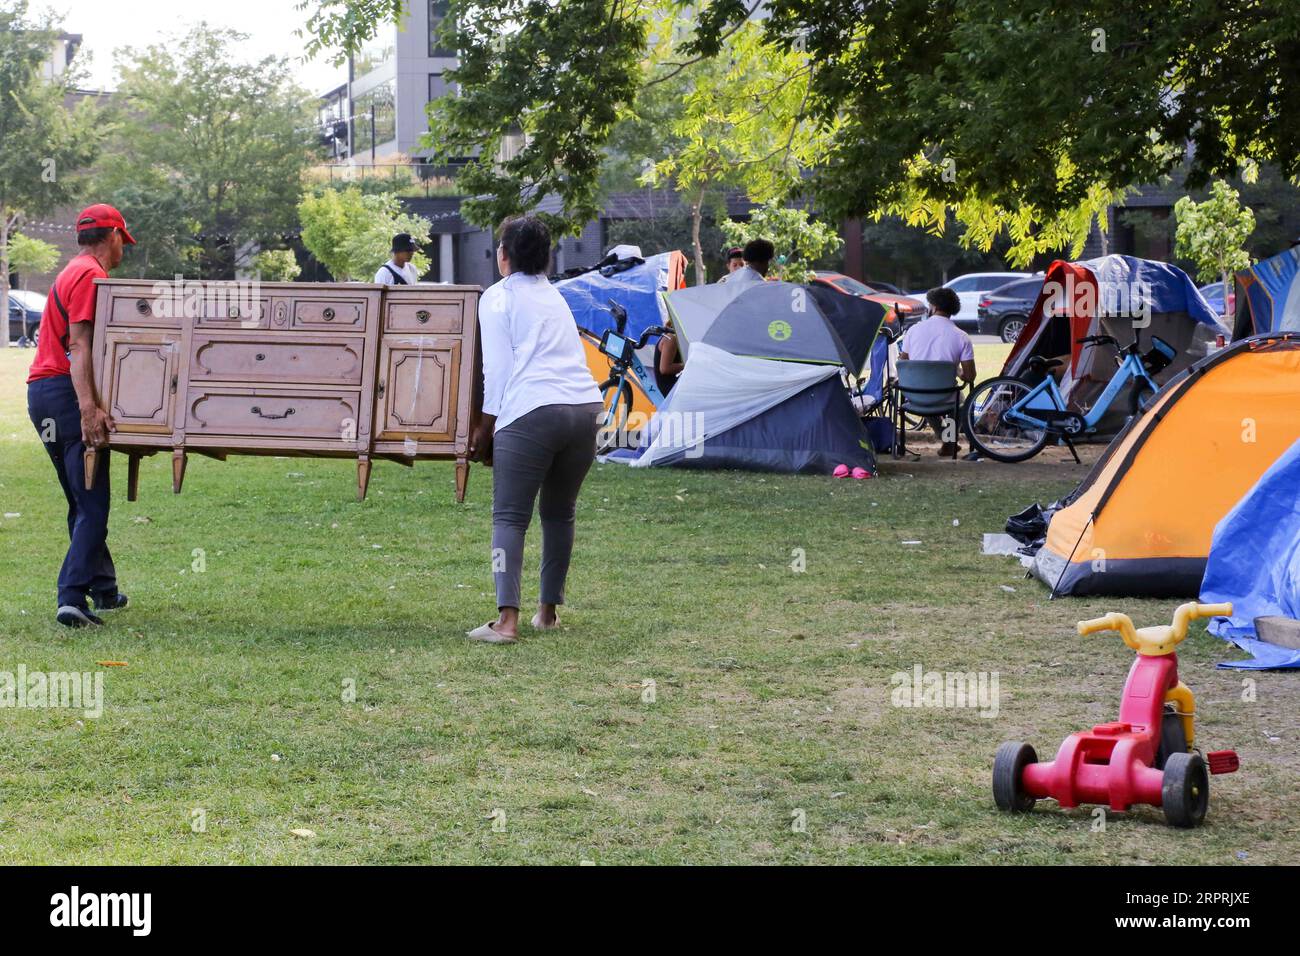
(343, 370)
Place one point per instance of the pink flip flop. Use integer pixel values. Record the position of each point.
(841, 471)
(861, 473)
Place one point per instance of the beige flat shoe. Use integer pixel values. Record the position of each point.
(544, 627)
(489, 635)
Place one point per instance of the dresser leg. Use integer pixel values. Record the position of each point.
(179, 461)
(363, 476)
(88, 462)
(462, 479)
(132, 477)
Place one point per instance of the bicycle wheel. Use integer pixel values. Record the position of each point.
(616, 396)
(914, 423)
(989, 431)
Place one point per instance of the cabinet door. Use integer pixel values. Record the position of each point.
(419, 380)
(141, 380)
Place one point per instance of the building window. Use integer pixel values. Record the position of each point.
(439, 87)
(438, 13)
(382, 98)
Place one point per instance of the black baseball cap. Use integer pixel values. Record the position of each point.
(402, 242)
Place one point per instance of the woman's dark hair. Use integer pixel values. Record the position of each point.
(944, 300)
(527, 243)
(93, 237)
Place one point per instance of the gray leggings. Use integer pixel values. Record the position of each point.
(548, 450)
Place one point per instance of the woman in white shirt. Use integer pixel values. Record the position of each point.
(541, 408)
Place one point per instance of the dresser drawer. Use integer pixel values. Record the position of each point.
(327, 313)
(287, 358)
(143, 306)
(272, 413)
(230, 314)
(433, 313)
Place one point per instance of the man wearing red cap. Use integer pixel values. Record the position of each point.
(64, 406)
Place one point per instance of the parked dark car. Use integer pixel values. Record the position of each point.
(1004, 311)
(884, 287)
(25, 310)
(1213, 294)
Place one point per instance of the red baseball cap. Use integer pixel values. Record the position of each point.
(102, 215)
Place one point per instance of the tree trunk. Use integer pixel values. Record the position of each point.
(4, 275)
(1228, 320)
(697, 213)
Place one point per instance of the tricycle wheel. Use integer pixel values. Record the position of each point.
(1185, 790)
(1173, 739)
(1008, 777)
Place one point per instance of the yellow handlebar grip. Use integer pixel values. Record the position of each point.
(1107, 623)
(1214, 610)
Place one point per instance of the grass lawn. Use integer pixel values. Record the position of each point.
(772, 687)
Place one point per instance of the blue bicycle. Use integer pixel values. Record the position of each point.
(1010, 419)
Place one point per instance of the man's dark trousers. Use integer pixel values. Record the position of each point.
(88, 567)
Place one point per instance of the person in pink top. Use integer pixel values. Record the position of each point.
(937, 338)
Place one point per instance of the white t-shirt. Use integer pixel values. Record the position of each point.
(937, 339)
(532, 355)
(408, 273)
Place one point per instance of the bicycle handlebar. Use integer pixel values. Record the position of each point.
(653, 330)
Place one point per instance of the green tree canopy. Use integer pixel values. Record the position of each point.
(800, 240)
(350, 232)
(1213, 234)
(44, 146)
(209, 148)
(1019, 118)
(31, 255)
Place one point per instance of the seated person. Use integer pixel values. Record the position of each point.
(668, 362)
(936, 338)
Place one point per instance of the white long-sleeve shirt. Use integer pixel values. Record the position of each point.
(532, 355)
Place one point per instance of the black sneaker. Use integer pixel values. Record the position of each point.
(71, 615)
(110, 602)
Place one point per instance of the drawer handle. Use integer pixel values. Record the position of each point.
(329, 315)
(142, 306)
(422, 316)
(233, 312)
(258, 411)
(260, 357)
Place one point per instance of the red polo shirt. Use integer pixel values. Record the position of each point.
(76, 289)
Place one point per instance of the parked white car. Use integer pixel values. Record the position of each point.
(969, 288)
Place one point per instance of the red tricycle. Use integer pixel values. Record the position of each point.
(1146, 756)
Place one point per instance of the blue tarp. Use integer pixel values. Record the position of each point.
(635, 289)
(1272, 292)
(1165, 288)
(1254, 562)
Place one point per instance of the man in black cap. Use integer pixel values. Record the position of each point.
(398, 270)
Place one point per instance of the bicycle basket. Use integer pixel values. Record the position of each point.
(1160, 356)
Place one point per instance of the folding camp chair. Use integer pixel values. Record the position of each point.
(925, 389)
